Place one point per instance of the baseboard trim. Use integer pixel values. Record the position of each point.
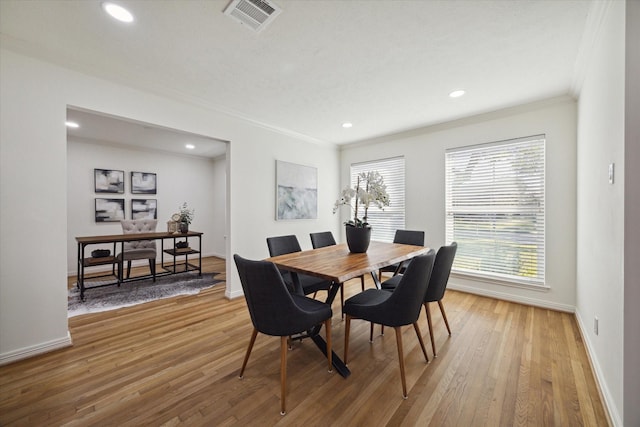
(232, 295)
(513, 298)
(605, 395)
(27, 352)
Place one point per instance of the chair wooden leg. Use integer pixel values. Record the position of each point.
(362, 282)
(371, 332)
(128, 269)
(283, 375)
(327, 328)
(347, 326)
(254, 334)
(433, 343)
(419, 334)
(401, 359)
(444, 316)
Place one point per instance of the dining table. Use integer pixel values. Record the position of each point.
(337, 264)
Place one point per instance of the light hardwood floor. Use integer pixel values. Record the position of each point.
(176, 362)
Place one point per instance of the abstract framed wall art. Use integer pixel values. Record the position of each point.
(144, 209)
(108, 181)
(143, 183)
(109, 210)
(296, 191)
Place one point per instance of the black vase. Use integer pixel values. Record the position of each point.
(184, 227)
(358, 239)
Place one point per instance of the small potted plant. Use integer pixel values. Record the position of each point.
(186, 216)
(370, 190)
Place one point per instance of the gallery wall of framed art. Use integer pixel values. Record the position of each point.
(113, 209)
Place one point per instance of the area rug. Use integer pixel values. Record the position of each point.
(136, 292)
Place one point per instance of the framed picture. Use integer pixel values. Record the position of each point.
(143, 183)
(144, 209)
(109, 210)
(296, 191)
(108, 181)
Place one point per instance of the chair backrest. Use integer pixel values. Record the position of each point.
(281, 245)
(441, 271)
(322, 239)
(132, 226)
(409, 237)
(405, 302)
(272, 308)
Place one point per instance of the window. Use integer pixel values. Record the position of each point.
(495, 209)
(384, 223)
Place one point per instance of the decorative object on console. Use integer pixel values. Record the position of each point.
(100, 253)
(296, 192)
(186, 216)
(108, 181)
(109, 210)
(143, 183)
(370, 190)
(182, 245)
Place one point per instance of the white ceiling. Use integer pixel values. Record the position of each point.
(386, 66)
(101, 128)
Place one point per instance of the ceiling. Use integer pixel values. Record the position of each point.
(385, 66)
(101, 129)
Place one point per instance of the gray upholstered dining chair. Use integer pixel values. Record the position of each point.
(395, 309)
(407, 237)
(277, 312)
(138, 249)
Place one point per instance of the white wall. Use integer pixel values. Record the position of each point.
(34, 96)
(600, 272)
(198, 181)
(424, 151)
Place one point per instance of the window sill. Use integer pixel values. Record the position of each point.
(496, 281)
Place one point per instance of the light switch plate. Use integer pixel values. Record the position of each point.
(611, 172)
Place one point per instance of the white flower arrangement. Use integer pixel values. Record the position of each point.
(370, 190)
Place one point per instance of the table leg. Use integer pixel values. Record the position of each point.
(335, 360)
(321, 343)
(376, 280)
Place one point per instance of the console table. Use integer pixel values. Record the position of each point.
(174, 266)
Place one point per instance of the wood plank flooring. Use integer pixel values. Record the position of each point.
(176, 362)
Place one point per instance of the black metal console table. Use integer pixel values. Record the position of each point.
(174, 267)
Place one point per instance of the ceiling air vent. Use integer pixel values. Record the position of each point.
(255, 14)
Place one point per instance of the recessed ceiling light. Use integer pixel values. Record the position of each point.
(71, 124)
(117, 12)
(457, 93)
(189, 146)
(347, 125)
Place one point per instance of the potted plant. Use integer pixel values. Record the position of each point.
(186, 216)
(370, 190)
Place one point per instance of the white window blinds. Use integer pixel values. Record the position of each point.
(495, 209)
(384, 223)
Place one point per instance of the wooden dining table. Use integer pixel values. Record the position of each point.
(337, 264)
